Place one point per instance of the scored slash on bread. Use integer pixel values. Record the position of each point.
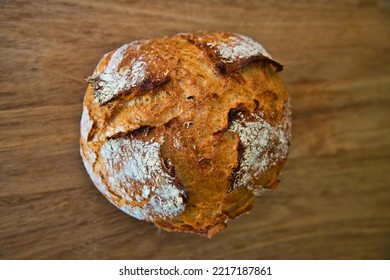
(184, 131)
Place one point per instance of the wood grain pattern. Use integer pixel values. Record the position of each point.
(334, 199)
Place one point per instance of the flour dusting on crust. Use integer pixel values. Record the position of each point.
(230, 52)
(89, 159)
(264, 146)
(115, 80)
(238, 47)
(86, 124)
(136, 174)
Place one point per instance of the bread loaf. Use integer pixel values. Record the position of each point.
(185, 131)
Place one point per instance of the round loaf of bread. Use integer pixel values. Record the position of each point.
(185, 131)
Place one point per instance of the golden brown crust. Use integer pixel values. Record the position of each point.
(201, 121)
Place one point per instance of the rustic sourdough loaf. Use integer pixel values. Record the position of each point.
(185, 131)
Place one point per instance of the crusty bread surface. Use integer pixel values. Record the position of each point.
(185, 131)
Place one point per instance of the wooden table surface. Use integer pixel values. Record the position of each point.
(334, 198)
